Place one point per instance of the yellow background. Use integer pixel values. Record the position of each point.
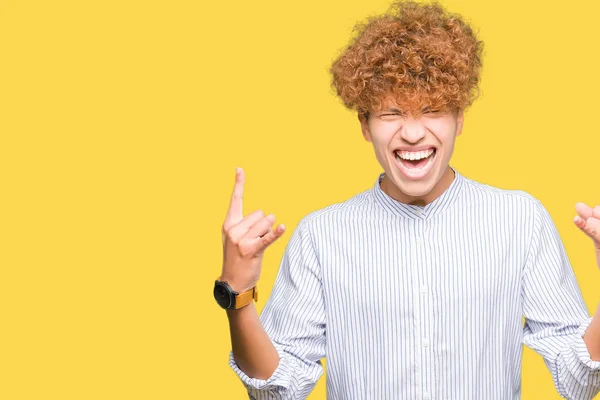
(121, 126)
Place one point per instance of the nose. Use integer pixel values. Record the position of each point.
(412, 130)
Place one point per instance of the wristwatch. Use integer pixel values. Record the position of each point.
(229, 299)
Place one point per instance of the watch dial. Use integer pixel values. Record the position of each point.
(222, 296)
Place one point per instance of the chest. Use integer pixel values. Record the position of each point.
(402, 270)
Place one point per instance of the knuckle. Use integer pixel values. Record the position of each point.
(245, 250)
(234, 240)
(265, 240)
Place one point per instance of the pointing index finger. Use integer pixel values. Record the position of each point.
(234, 214)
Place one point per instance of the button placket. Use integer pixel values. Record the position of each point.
(425, 314)
(415, 260)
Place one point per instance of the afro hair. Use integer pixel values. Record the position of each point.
(417, 54)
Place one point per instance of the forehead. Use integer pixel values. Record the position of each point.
(413, 105)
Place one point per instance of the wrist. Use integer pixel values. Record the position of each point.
(228, 297)
(236, 285)
(241, 313)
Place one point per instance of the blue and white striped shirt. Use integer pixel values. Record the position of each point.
(412, 302)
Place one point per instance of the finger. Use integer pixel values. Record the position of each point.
(261, 227)
(234, 213)
(583, 210)
(261, 243)
(238, 231)
(596, 212)
(591, 227)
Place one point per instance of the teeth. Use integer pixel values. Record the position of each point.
(416, 155)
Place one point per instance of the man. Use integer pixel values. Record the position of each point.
(416, 288)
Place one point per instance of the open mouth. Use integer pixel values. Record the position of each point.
(415, 164)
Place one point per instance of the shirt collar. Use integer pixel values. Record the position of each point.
(419, 212)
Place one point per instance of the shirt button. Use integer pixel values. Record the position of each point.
(426, 396)
(425, 342)
(419, 211)
(423, 289)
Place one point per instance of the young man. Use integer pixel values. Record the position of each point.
(416, 288)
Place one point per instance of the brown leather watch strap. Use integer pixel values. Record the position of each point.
(243, 299)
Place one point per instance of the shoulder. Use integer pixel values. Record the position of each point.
(339, 212)
(516, 212)
(480, 194)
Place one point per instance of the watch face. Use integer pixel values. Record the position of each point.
(222, 295)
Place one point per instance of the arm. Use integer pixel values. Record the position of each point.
(254, 352)
(244, 243)
(588, 220)
(294, 321)
(592, 336)
(556, 317)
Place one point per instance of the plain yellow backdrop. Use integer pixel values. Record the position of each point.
(121, 126)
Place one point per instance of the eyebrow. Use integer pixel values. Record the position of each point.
(395, 110)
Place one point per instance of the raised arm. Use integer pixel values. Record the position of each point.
(276, 355)
(244, 243)
(556, 315)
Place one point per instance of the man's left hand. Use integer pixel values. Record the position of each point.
(588, 221)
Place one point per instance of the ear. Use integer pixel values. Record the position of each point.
(364, 126)
(460, 119)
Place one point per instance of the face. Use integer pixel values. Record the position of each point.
(414, 152)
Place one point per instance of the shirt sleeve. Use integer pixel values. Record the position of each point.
(556, 316)
(294, 319)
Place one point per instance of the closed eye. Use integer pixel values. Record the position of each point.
(428, 110)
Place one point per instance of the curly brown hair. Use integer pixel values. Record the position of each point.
(417, 54)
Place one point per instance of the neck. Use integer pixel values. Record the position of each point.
(440, 187)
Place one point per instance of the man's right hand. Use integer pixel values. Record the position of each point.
(245, 240)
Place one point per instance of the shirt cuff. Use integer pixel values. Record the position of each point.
(580, 349)
(280, 379)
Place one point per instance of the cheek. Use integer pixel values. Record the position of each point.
(382, 149)
(380, 142)
(444, 134)
(383, 134)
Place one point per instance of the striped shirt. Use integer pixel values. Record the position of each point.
(425, 302)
